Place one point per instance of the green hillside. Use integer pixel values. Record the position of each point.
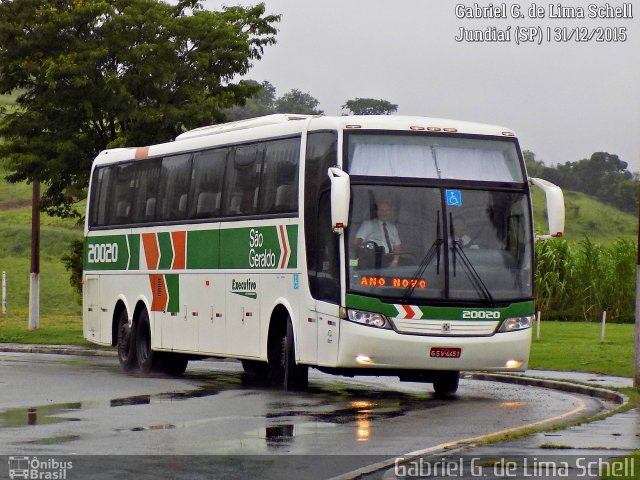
(587, 217)
(56, 295)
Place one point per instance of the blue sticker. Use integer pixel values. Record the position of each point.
(454, 198)
(296, 281)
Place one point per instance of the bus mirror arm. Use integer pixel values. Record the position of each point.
(555, 207)
(340, 198)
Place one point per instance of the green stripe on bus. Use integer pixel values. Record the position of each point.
(203, 248)
(108, 252)
(267, 247)
(173, 289)
(370, 304)
(134, 249)
(166, 251)
(292, 234)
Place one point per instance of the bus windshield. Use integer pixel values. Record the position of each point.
(413, 243)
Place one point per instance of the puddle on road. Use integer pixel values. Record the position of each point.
(56, 413)
(46, 414)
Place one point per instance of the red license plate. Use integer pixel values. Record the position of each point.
(445, 352)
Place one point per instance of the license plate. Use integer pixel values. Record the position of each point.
(445, 352)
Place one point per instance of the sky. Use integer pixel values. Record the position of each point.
(565, 100)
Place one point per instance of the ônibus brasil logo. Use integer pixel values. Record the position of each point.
(34, 468)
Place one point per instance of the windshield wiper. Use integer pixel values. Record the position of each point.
(471, 272)
(434, 250)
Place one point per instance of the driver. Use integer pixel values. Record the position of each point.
(382, 232)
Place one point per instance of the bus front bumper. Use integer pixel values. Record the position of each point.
(368, 348)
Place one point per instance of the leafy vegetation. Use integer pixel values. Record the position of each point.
(265, 102)
(603, 176)
(91, 75)
(369, 106)
(579, 281)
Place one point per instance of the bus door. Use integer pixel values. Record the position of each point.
(92, 306)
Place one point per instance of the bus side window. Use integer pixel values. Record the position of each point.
(320, 155)
(174, 188)
(205, 194)
(241, 180)
(145, 195)
(100, 196)
(279, 184)
(328, 274)
(124, 188)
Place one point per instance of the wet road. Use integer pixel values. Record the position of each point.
(63, 405)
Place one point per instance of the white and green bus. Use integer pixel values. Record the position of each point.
(269, 241)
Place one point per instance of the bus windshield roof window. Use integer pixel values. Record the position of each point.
(434, 157)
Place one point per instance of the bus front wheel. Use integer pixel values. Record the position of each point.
(283, 369)
(173, 364)
(126, 343)
(146, 357)
(446, 383)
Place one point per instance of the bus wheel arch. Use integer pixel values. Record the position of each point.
(284, 371)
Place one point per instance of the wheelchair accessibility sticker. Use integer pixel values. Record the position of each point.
(454, 198)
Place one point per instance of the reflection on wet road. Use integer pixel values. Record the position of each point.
(56, 404)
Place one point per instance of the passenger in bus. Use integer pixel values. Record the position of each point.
(464, 235)
(382, 232)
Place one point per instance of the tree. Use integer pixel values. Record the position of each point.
(263, 102)
(296, 101)
(369, 106)
(93, 75)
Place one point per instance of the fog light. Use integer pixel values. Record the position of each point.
(364, 360)
(514, 363)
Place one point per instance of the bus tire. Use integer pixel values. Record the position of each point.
(446, 383)
(147, 359)
(173, 364)
(256, 368)
(126, 343)
(283, 370)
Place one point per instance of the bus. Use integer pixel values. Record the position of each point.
(256, 240)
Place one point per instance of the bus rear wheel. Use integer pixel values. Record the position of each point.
(126, 343)
(446, 383)
(283, 370)
(147, 359)
(173, 364)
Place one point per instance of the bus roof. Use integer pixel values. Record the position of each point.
(290, 124)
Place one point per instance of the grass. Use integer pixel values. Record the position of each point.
(53, 330)
(587, 217)
(56, 294)
(626, 468)
(575, 346)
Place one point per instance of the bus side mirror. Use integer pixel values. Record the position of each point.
(340, 198)
(555, 207)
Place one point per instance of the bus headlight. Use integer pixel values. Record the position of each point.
(516, 323)
(368, 318)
